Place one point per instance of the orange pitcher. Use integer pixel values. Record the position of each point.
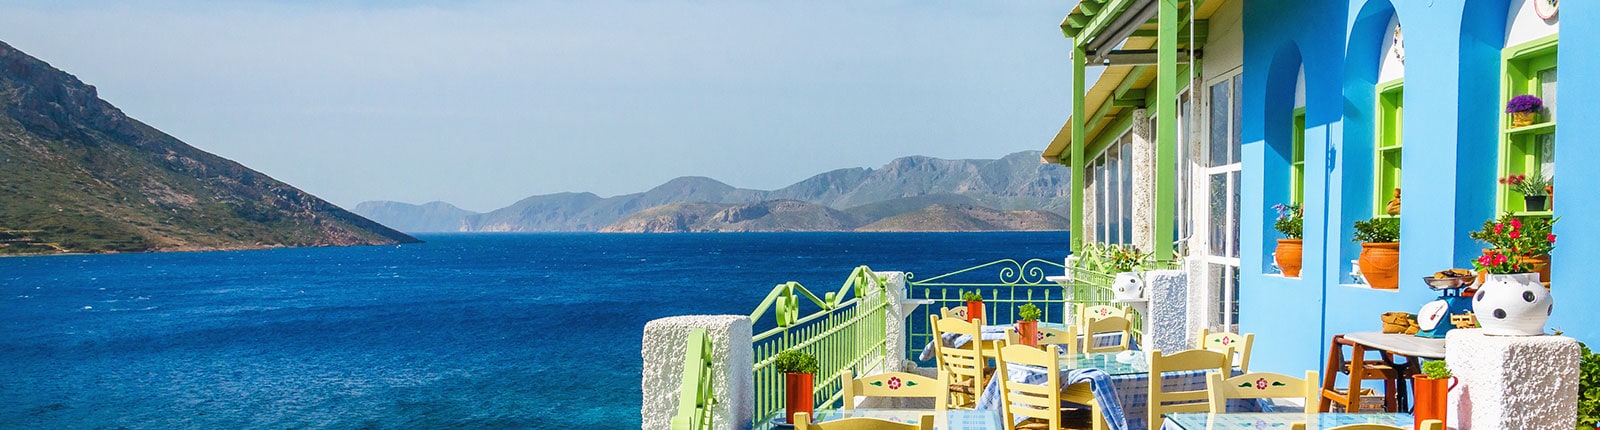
(1432, 398)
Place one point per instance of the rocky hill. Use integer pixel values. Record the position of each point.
(969, 218)
(772, 215)
(78, 175)
(909, 184)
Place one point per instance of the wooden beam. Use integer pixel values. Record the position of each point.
(1113, 9)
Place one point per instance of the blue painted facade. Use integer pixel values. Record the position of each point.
(1451, 133)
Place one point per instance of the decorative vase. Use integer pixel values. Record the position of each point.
(975, 311)
(1128, 287)
(1541, 265)
(1432, 401)
(1028, 333)
(1513, 304)
(1534, 203)
(1288, 256)
(1380, 264)
(796, 394)
(1523, 119)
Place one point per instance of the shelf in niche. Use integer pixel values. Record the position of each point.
(1532, 129)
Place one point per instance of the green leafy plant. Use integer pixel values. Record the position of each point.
(972, 296)
(1028, 312)
(1291, 220)
(1378, 230)
(1518, 235)
(1436, 369)
(792, 361)
(1126, 258)
(1530, 186)
(1588, 388)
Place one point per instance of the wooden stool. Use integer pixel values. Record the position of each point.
(1358, 368)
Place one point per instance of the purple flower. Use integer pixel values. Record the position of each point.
(1524, 103)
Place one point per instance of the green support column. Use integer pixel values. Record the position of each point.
(1166, 106)
(1075, 148)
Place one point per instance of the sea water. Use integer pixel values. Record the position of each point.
(465, 330)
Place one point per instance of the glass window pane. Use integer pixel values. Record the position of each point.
(1547, 154)
(1233, 213)
(1100, 199)
(1127, 189)
(1238, 109)
(1114, 194)
(1219, 123)
(1218, 214)
(1547, 92)
(1182, 182)
(1233, 297)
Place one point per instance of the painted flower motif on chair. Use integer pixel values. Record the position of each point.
(894, 383)
(1261, 383)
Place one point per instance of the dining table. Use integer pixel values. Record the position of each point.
(1130, 378)
(953, 419)
(997, 333)
(1268, 420)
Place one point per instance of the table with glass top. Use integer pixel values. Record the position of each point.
(1263, 421)
(954, 419)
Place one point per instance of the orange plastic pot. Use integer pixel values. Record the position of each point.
(1288, 256)
(796, 395)
(1432, 401)
(1028, 332)
(974, 311)
(1380, 264)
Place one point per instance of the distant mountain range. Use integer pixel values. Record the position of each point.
(1016, 192)
(78, 175)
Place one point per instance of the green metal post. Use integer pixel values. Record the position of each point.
(1075, 148)
(1166, 107)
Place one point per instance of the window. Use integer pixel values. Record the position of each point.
(1221, 158)
(1391, 110)
(1297, 159)
(1112, 183)
(1529, 68)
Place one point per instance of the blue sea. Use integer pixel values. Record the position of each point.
(533, 331)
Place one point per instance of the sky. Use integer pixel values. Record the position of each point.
(481, 103)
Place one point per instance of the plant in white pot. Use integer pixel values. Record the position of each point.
(1511, 301)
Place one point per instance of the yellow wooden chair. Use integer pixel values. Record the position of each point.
(1037, 405)
(955, 312)
(1105, 326)
(966, 365)
(1166, 402)
(1240, 343)
(1262, 385)
(1066, 339)
(802, 421)
(1426, 425)
(896, 384)
(1087, 313)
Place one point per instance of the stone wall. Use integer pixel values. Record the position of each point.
(732, 358)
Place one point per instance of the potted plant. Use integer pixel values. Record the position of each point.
(974, 305)
(1380, 251)
(1028, 326)
(798, 368)
(1290, 221)
(1526, 240)
(1125, 258)
(1535, 190)
(1524, 109)
(1432, 388)
(1511, 301)
(1588, 389)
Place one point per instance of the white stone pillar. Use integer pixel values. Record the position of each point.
(1201, 309)
(732, 359)
(1143, 161)
(1167, 321)
(1512, 382)
(895, 320)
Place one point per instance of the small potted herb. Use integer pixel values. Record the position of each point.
(1524, 109)
(798, 369)
(1290, 221)
(1535, 190)
(1380, 251)
(1432, 388)
(1588, 389)
(974, 305)
(1028, 326)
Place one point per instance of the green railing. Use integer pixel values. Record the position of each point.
(841, 333)
(1019, 283)
(694, 397)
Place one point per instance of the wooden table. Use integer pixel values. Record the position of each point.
(1130, 379)
(1254, 420)
(954, 419)
(1391, 348)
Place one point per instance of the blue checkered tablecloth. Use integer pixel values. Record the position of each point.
(1130, 379)
(954, 419)
(1279, 421)
(998, 332)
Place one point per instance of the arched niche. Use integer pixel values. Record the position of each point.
(1525, 21)
(1370, 45)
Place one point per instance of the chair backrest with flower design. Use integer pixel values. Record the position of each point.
(802, 421)
(955, 312)
(1086, 314)
(1262, 385)
(1066, 339)
(1224, 340)
(896, 384)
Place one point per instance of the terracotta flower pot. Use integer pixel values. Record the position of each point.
(974, 311)
(1524, 119)
(1432, 401)
(1288, 256)
(1541, 264)
(1028, 332)
(1380, 264)
(796, 395)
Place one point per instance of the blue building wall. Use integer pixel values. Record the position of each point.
(1450, 134)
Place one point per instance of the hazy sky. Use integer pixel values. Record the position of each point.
(483, 103)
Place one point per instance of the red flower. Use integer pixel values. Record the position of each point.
(894, 383)
(1499, 258)
(1497, 227)
(1515, 224)
(1551, 238)
(1515, 234)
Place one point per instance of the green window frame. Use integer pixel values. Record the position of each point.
(1387, 147)
(1297, 159)
(1528, 68)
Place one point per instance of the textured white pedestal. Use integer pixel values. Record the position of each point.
(1512, 382)
(1166, 324)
